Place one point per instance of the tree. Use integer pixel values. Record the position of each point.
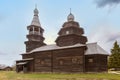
(114, 59)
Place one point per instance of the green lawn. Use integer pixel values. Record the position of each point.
(5, 75)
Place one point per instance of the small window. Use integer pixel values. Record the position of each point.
(90, 60)
(31, 29)
(74, 60)
(80, 62)
(67, 32)
(36, 29)
(61, 62)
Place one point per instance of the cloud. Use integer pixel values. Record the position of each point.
(1, 53)
(103, 3)
(104, 37)
(113, 37)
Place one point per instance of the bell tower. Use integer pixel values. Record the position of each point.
(35, 35)
(71, 33)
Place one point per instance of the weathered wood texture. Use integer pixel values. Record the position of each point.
(96, 63)
(70, 39)
(65, 60)
(68, 60)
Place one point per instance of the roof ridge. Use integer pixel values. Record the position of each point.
(92, 43)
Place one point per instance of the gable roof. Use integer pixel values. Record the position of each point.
(54, 47)
(92, 48)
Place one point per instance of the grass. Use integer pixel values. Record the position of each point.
(10, 75)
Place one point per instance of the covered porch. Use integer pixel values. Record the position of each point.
(24, 65)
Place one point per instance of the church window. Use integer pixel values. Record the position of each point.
(67, 32)
(80, 61)
(90, 60)
(36, 29)
(74, 60)
(61, 62)
(77, 60)
(31, 29)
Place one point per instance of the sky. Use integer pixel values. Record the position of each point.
(99, 18)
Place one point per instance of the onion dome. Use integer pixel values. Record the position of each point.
(36, 12)
(70, 17)
(35, 20)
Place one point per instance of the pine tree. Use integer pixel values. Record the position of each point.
(114, 59)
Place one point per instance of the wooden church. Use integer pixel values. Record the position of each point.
(71, 53)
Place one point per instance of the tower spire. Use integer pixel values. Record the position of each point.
(35, 36)
(35, 20)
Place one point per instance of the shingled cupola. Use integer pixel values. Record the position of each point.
(71, 33)
(35, 35)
